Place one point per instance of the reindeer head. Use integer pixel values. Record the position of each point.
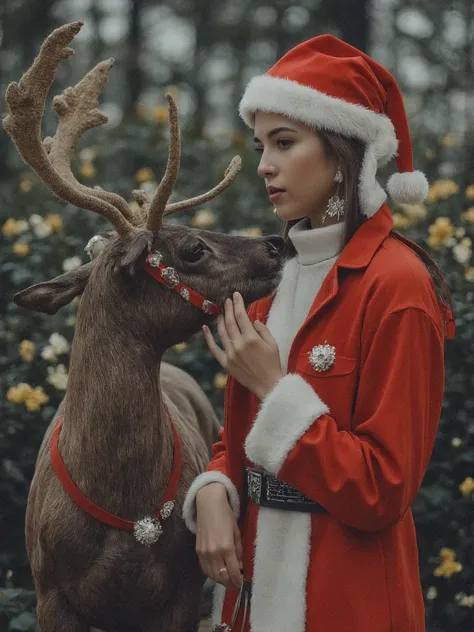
(118, 288)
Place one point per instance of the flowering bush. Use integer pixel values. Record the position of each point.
(42, 238)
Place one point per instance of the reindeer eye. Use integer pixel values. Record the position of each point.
(195, 253)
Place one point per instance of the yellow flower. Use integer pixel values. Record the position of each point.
(9, 573)
(11, 227)
(21, 249)
(144, 175)
(400, 221)
(142, 110)
(220, 380)
(440, 232)
(430, 154)
(415, 212)
(35, 399)
(447, 554)
(87, 170)
(467, 600)
(469, 275)
(204, 218)
(26, 186)
(441, 190)
(448, 565)
(54, 221)
(27, 350)
(17, 394)
(470, 192)
(450, 140)
(254, 231)
(468, 215)
(467, 486)
(159, 114)
(181, 346)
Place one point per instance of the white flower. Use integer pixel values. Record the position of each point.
(149, 187)
(462, 251)
(59, 344)
(71, 263)
(456, 442)
(36, 219)
(48, 353)
(22, 226)
(70, 320)
(87, 154)
(204, 218)
(42, 230)
(58, 376)
(467, 600)
(431, 593)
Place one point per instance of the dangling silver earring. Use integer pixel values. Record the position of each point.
(335, 204)
(274, 211)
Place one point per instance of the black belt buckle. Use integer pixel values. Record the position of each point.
(266, 490)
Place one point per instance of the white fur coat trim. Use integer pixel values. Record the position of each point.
(282, 555)
(284, 416)
(189, 505)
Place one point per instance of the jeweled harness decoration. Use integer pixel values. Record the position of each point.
(147, 530)
(168, 277)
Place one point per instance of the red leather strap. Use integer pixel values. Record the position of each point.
(94, 510)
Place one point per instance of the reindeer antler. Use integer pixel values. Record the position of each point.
(77, 112)
(162, 195)
(229, 176)
(26, 101)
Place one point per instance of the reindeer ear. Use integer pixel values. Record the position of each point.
(137, 249)
(50, 296)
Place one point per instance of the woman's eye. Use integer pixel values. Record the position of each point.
(284, 143)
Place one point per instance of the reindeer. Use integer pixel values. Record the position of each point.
(106, 541)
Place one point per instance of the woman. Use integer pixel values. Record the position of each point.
(336, 382)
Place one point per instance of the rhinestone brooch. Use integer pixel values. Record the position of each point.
(185, 294)
(154, 259)
(148, 530)
(322, 357)
(170, 276)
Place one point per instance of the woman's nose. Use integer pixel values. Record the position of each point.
(265, 169)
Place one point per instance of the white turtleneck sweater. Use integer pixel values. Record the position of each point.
(317, 251)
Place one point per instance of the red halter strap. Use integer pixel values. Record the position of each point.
(94, 510)
(169, 277)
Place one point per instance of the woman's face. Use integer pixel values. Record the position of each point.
(293, 160)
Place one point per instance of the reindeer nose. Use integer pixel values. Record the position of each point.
(275, 245)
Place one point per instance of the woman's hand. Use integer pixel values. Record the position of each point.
(218, 544)
(250, 352)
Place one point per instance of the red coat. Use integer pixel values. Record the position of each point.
(357, 438)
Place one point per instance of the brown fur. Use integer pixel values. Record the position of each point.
(116, 440)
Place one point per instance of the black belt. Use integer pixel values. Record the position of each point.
(266, 490)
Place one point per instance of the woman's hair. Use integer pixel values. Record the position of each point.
(347, 154)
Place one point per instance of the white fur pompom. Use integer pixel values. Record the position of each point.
(408, 188)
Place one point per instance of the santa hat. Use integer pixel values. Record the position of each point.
(330, 85)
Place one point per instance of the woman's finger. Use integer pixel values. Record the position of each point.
(224, 337)
(241, 316)
(232, 328)
(216, 351)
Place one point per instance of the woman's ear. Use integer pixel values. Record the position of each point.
(50, 296)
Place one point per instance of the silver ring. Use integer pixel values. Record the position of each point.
(222, 570)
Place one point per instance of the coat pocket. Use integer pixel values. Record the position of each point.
(336, 386)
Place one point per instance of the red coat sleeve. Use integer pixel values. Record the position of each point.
(366, 478)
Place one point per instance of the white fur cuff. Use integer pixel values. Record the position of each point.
(189, 505)
(287, 412)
